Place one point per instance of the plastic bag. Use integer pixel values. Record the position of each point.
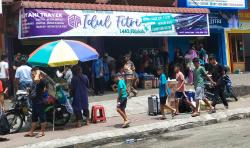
(60, 96)
(69, 106)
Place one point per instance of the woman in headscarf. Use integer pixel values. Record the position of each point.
(79, 89)
(191, 54)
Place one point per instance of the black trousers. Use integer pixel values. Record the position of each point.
(219, 93)
(78, 114)
(99, 85)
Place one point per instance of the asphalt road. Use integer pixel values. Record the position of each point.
(234, 134)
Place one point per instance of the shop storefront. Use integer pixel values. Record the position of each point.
(116, 32)
(238, 43)
(223, 26)
(110, 29)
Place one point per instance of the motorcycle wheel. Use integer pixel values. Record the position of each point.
(62, 116)
(15, 121)
(210, 96)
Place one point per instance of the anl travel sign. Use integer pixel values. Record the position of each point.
(62, 23)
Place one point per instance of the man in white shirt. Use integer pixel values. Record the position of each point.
(4, 77)
(23, 75)
(66, 74)
(4, 73)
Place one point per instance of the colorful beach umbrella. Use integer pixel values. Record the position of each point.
(61, 53)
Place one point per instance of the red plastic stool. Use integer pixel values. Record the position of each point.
(94, 112)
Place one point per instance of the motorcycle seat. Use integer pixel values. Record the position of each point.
(22, 92)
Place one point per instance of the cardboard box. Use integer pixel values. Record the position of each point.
(155, 83)
(146, 84)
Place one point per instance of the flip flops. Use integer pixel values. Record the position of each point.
(40, 135)
(126, 124)
(174, 113)
(3, 139)
(29, 135)
(34, 135)
(195, 114)
(163, 118)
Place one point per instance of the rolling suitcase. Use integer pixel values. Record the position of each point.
(153, 105)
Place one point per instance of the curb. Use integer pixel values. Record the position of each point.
(241, 90)
(141, 131)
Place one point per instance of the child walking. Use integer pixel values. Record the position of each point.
(122, 99)
(199, 74)
(163, 93)
(180, 90)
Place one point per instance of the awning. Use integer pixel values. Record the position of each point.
(160, 3)
(59, 19)
(107, 7)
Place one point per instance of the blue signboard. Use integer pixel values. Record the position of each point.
(225, 19)
(218, 4)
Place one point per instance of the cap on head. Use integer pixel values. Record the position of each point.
(118, 75)
(195, 60)
(23, 59)
(159, 68)
(212, 57)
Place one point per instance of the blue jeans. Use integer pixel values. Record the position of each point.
(23, 85)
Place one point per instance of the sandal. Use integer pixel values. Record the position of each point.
(195, 114)
(3, 139)
(174, 113)
(126, 124)
(78, 125)
(29, 135)
(40, 135)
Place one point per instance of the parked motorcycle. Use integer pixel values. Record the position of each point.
(21, 112)
(210, 89)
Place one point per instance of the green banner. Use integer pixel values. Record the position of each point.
(159, 28)
(156, 18)
(168, 22)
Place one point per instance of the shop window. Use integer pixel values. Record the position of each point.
(237, 48)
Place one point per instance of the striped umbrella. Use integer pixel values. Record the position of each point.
(61, 53)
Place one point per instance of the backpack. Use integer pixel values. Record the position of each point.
(227, 81)
(228, 86)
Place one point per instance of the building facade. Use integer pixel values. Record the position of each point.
(238, 43)
(137, 24)
(223, 19)
(224, 22)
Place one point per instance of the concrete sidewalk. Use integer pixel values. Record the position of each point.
(241, 84)
(142, 124)
(138, 105)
